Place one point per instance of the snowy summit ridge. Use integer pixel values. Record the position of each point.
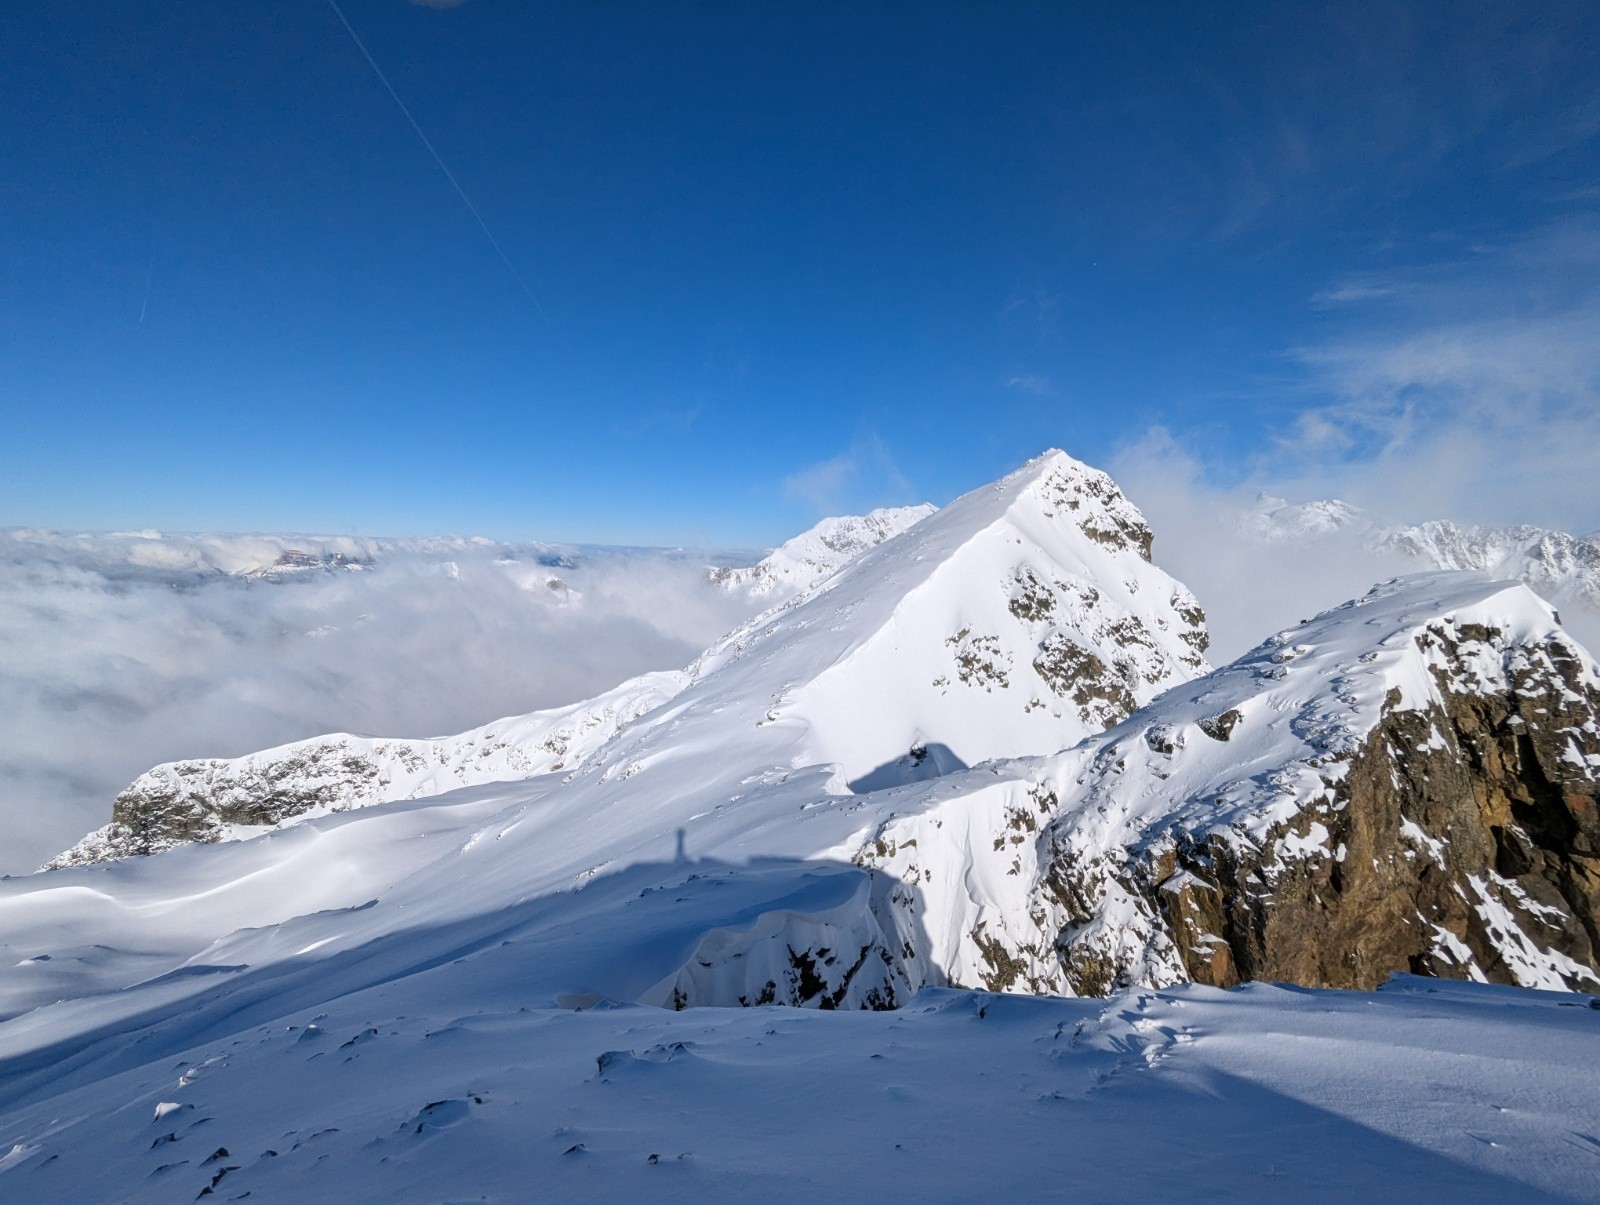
(219, 799)
(819, 552)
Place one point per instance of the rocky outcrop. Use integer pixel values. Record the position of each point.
(215, 799)
(1407, 783)
(293, 562)
(1463, 841)
(830, 957)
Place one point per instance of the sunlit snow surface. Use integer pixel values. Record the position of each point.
(449, 998)
(1427, 1091)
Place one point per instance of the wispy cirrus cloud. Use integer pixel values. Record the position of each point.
(1353, 291)
(1034, 383)
(1464, 389)
(861, 477)
(1469, 389)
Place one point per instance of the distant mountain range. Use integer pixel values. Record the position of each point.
(1558, 565)
(819, 552)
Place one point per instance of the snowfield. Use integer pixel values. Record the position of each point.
(544, 981)
(1426, 1090)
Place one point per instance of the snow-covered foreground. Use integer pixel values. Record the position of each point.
(1442, 1091)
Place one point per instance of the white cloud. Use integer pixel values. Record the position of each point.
(117, 654)
(1249, 587)
(1353, 290)
(862, 477)
(1494, 420)
(1467, 389)
(1032, 383)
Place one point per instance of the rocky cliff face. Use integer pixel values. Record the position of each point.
(1405, 783)
(1469, 841)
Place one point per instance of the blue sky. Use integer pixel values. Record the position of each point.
(788, 259)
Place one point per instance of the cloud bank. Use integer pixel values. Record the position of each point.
(1206, 537)
(1465, 389)
(1468, 389)
(117, 653)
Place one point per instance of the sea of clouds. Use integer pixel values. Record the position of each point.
(118, 652)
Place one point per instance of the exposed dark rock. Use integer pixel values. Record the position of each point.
(1219, 727)
(1461, 839)
(1074, 672)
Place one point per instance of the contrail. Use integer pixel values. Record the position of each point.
(149, 276)
(448, 174)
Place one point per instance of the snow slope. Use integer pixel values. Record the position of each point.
(819, 552)
(1424, 1091)
(448, 997)
(229, 799)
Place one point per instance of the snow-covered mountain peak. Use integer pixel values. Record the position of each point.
(1275, 518)
(1562, 566)
(1022, 617)
(821, 551)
